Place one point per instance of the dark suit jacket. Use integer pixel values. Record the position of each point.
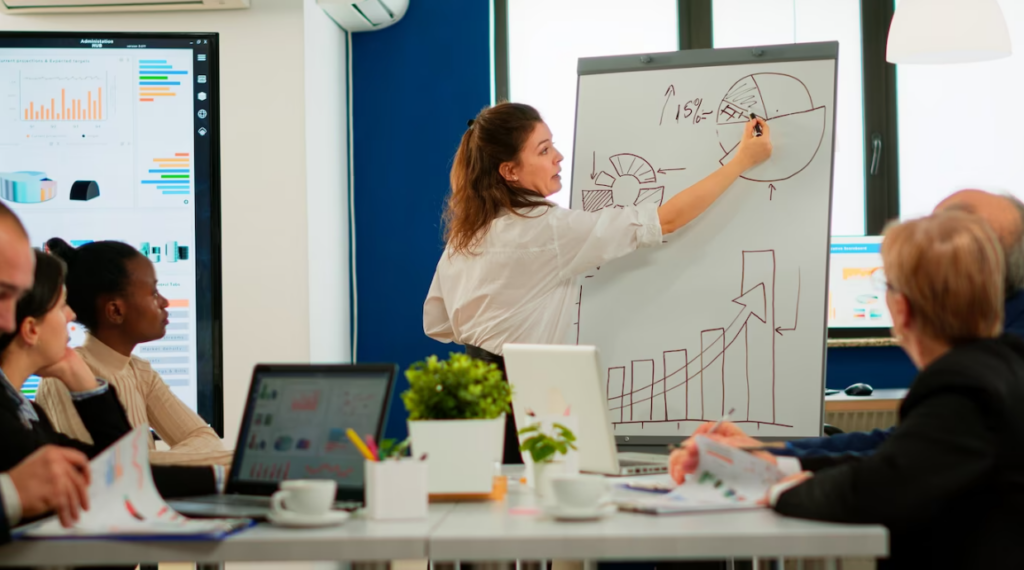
(949, 481)
(105, 419)
(5, 531)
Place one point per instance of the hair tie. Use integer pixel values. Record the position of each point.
(469, 123)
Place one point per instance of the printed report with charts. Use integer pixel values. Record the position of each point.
(727, 479)
(124, 502)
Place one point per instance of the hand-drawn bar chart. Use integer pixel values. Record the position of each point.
(171, 175)
(64, 97)
(700, 384)
(157, 80)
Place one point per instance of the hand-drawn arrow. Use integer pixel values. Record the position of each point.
(670, 92)
(771, 191)
(664, 170)
(754, 303)
(593, 168)
(796, 319)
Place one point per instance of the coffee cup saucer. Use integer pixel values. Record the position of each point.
(296, 520)
(565, 513)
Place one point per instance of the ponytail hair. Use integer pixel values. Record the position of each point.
(95, 270)
(479, 192)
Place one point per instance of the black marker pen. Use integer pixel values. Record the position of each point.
(757, 127)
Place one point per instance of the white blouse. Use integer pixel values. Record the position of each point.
(519, 285)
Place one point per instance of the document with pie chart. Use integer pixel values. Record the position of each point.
(727, 315)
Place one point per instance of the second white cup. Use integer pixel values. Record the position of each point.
(305, 497)
(580, 492)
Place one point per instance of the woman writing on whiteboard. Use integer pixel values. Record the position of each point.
(112, 288)
(511, 256)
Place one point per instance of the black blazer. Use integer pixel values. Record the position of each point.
(105, 419)
(949, 482)
(5, 531)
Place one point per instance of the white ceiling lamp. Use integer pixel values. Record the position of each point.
(947, 31)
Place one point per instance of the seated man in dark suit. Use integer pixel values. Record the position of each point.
(53, 479)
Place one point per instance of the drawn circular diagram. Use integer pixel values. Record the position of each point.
(785, 103)
(630, 185)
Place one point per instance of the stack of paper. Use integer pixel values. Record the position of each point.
(124, 502)
(727, 478)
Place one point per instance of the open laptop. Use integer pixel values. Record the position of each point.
(294, 428)
(535, 371)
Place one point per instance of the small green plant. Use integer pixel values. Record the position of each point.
(392, 449)
(542, 447)
(460, 388)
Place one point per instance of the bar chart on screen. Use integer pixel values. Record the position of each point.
(64, 97)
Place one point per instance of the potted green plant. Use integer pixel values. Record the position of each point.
(457, 413)
(547, 451)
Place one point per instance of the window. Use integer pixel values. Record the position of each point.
(546, 38)
(956, 125)
(766, 22)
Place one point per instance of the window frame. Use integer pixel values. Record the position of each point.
(878, 78)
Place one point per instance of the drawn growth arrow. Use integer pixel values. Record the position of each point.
(664, 170)
(669, 93)
(796, 319)
(593, 167)
(771, 191)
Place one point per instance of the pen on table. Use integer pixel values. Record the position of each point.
(372, 445)
(725, 418)
(757, 127)
(354, 437)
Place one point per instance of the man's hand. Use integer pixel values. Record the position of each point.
(684, 459)
(53, 479)
(791, 481)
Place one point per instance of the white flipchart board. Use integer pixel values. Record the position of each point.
(730, 312)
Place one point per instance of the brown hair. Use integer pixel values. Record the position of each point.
(479, 192)
(950, 268)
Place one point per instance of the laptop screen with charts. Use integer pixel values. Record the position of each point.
(569, 376)
(295, 423)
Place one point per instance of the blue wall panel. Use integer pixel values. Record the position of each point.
(414, 86)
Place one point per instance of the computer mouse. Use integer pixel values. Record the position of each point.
(859, 390)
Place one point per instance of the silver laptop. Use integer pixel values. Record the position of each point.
(294, 428)
(572, 374)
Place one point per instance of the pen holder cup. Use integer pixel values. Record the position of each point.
(396, 489)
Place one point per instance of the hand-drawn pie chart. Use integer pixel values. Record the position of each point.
(631, 185)
(797, 125)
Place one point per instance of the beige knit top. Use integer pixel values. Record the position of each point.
(146, 399)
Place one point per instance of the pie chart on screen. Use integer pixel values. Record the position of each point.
(784, 102)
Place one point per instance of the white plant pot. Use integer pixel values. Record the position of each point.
(543, 472)
(463, 456)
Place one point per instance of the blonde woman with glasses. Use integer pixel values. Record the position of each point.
(949, 481)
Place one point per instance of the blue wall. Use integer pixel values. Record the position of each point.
(414, 86)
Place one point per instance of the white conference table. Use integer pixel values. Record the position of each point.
(490, 531)
(357, 539)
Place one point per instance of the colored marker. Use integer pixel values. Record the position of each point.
(372, 445)
(757, 127)
(354, 437)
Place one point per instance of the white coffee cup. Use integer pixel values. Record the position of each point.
(580, 491)
(305, 497)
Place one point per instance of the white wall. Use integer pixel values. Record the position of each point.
(327, 152)
(264, 139)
